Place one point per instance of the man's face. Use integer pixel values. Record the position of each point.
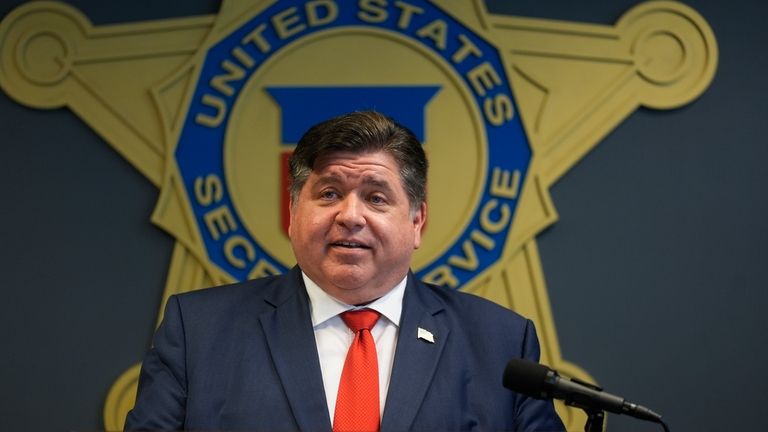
(352, 228)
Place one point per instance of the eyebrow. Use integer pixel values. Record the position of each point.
(373, 181)
(333, 179)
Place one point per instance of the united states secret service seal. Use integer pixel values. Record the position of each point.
(253, 99)
(208, 109)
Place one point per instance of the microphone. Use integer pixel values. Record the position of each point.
(540, 382)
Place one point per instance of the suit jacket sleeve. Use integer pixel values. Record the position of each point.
(534, 414)
(162, 392)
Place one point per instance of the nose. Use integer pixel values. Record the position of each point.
(351, 212)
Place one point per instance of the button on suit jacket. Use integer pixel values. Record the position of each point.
(243, 358)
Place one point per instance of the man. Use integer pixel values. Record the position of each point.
(277, 353)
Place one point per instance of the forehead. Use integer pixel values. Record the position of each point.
(378, 163)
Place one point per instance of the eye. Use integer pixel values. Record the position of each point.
(329, 195)
(377, 199)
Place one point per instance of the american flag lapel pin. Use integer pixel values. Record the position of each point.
(425, 335)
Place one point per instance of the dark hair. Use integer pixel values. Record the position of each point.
(362, 132)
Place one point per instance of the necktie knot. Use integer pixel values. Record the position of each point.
(360, 319)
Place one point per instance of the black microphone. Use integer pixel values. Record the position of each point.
(540, 382)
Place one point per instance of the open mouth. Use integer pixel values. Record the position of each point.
(350, 245)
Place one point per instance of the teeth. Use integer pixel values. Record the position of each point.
(349, 244)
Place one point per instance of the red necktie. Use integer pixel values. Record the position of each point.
(357, 404)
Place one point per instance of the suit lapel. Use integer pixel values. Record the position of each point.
(291, 341)
(415, 358)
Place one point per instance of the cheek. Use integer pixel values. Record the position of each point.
(404, 233)
(310, 225)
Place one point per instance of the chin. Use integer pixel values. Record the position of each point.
(350, 279)
(350, 282)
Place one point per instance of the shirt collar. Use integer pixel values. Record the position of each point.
(323, 306)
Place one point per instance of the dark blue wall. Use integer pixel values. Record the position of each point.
(656, 270)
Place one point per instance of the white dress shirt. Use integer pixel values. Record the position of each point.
(333, 337)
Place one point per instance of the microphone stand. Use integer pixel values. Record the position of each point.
(595, 417)
(595, 420)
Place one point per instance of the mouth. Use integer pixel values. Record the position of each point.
(349, 245)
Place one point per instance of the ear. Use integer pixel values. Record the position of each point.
(419, 219)
(290, 220)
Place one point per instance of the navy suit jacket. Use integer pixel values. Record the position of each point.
(243, 357)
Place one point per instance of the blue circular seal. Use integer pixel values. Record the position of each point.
(232, 61)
